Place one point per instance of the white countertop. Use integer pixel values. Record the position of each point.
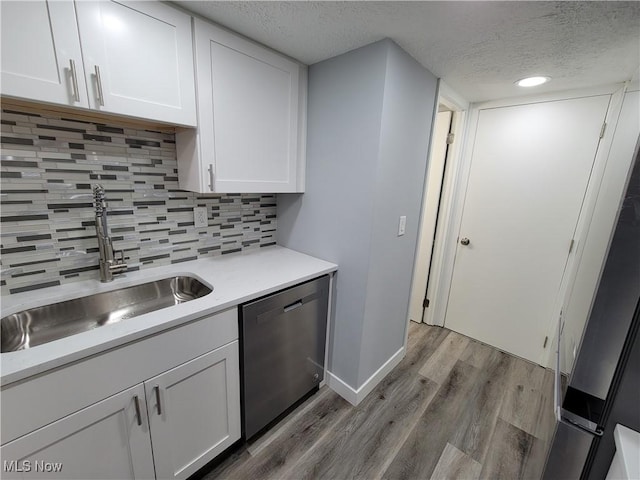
(235, 278)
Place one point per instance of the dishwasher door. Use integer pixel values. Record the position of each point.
(283, 339)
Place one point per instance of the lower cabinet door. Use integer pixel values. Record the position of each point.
(194, 412)
(109, 440)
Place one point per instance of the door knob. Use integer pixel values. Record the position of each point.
(464, 241)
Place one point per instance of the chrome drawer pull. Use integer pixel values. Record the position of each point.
(157, 389)
(136, 402)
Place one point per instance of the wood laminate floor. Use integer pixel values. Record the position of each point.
(453, 408)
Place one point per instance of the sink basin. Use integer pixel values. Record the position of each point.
(40, 325)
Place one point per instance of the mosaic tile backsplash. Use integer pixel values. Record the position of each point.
(49, 165)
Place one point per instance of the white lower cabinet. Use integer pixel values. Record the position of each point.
(167, 427)
(194, 412)
(109, 439)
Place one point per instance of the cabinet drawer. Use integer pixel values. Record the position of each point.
(42, 399)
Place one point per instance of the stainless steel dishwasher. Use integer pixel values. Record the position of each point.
(282, 351)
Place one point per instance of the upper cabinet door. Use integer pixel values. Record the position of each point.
(138, 59)
(249, 116)
(41, 57)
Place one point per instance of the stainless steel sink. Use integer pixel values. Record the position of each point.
(36, 326)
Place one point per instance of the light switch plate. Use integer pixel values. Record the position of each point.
(402, 225)
(200, 217)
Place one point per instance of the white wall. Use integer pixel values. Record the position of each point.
(369, 118)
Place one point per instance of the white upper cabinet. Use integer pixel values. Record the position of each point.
(138, 59)
(251, 118)
(41, 58)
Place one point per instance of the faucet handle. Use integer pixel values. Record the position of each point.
(118, 265)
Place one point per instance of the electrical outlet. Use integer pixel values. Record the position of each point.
(200, 217)
(402, 226)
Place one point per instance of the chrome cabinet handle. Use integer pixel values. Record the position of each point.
(465, 241)
(136, 402)
(74, 80)
(157, 389)
(557, 406)
(211, 177)
(99, 85)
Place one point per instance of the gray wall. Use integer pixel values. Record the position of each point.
(369, 119)
(407, 116)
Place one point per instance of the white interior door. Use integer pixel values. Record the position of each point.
(530, 167)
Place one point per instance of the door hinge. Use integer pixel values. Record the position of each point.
(571, 245)
(425, 303)
(546, 339)
(450, 138)
(604, 127)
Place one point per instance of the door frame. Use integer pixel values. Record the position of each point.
(431, 202)
(442, 269)
(459, 106)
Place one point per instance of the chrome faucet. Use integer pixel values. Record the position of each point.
(109, 265)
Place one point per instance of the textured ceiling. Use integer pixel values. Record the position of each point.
(479, 48)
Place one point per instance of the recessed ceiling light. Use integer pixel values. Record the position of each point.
(532, 81)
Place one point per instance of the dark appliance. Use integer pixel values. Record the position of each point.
(604, 387)
(283, 339)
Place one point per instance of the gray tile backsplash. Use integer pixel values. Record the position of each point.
(48, 168)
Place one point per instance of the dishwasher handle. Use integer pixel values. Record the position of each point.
(293, 306)
(279, 310)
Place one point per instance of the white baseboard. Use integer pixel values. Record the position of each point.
(353, 396)
(342, 389)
